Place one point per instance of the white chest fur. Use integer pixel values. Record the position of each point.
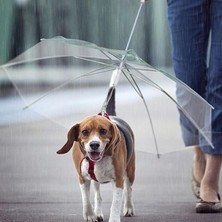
(103, 170)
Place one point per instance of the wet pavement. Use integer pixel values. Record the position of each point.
(37, 185)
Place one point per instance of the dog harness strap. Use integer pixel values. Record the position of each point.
(91, 169)
(104, 114)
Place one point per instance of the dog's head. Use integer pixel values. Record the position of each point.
(96, 135)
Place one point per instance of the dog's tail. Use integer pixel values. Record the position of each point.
(111, 101)
(109, 105)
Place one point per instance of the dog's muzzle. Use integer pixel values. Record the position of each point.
(94, 145)
(95, 154)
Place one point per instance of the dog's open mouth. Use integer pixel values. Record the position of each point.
(95, 156)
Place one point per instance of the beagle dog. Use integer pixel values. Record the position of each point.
(103, 151)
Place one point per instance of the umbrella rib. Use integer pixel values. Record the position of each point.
(182, 83)
(134, 84)
(103, 52)
(142, 69)
(172, 78)
(17, 89)
(56, 56)
(178, 105)
(94, 72)
(33, 60)
(139, 92)
(96, 61)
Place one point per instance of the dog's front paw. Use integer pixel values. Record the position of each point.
(100, 218)
(91, 218)
(99, 215)
(128, 211)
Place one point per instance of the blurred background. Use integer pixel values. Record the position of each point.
(106, 23)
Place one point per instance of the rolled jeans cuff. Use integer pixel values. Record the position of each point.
(216, 138)
(190, 138)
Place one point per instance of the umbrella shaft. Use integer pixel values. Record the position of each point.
(134, 25)
(116, 72)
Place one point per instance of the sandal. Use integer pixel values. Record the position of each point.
(209, 207)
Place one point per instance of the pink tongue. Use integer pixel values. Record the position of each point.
(94, 155)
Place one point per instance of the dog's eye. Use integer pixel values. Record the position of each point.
(85, 132)
(103, 131)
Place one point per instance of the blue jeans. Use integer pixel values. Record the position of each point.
(191, 22)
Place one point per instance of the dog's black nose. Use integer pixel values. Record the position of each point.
(94, 145)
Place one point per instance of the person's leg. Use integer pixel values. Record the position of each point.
(189, 25)
(209, 184)
(214, 78)
(199, 163)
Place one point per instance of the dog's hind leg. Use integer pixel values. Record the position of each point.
(128, 209)
(98, 202)
(88, 213)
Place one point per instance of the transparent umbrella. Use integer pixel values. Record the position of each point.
(75, 77)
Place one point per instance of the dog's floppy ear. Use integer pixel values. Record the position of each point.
(116, 136)
(71, 137)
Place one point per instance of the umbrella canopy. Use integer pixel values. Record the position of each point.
(73, 78)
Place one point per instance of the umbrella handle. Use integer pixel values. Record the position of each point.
(115, 77)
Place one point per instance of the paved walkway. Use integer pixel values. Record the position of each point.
(37, 185)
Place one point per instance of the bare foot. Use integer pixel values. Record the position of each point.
(209, 185)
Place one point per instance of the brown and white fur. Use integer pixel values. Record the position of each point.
(109, 143)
